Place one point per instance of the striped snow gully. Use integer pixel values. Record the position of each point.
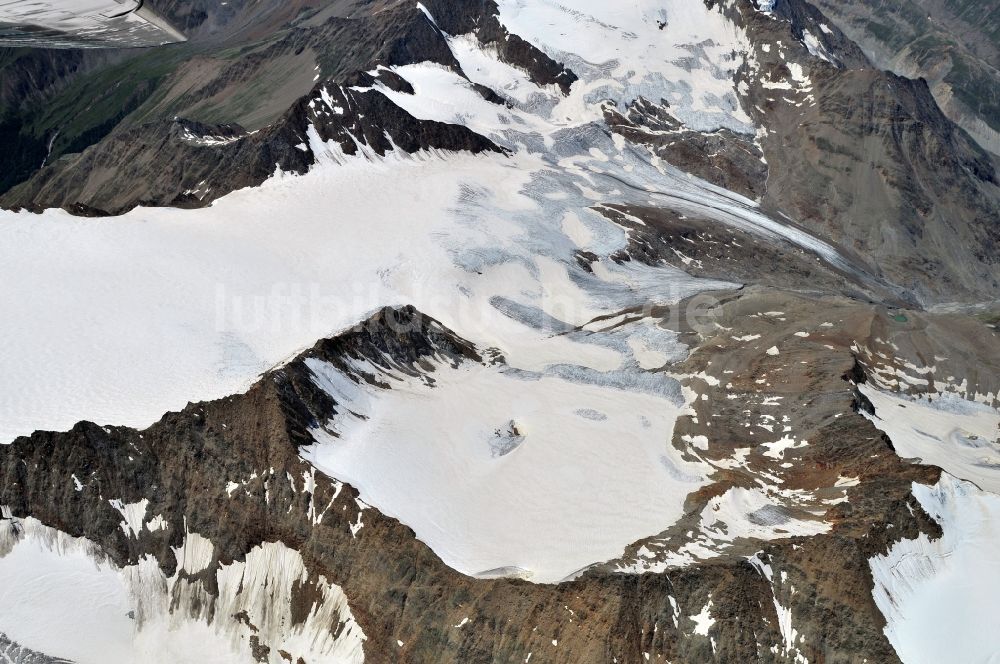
(939, 597)
(789, 635)
(73, 602)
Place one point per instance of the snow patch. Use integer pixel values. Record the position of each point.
(133, 513)
(703, 621)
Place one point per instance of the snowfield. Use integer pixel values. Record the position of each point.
(145, 312)
(537, 474)
(959, 435)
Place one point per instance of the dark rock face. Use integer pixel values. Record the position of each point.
(481, 19)
(29, 80)
(922, 208)
(56, 102)
(803, 17)
(202, 20)
(186, 164)
(216, 78)
(398, 590)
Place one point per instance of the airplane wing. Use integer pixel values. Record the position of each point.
(83, 24)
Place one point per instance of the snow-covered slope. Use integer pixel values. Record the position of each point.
(939, 597)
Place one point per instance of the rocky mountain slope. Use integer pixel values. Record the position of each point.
(651, 333)
(955, 46)
(207, 492)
